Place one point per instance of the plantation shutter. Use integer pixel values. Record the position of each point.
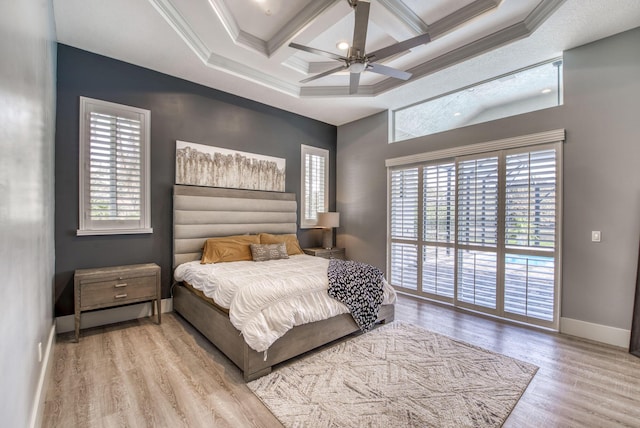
(315, 183)
(438, 219)
(114, 169)
(404, 227)
(530, 234)
(477, 231)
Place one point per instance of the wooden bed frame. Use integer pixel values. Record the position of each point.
(203, 212)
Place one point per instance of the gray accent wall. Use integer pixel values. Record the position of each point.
(27, 118)
(601, 177)
(180, 110)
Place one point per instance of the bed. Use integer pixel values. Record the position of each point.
(201, 213)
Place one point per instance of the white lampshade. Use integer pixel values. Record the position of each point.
(328, 220)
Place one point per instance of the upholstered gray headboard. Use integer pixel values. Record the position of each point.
(204, 212)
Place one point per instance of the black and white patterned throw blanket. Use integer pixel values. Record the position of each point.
(359, 287)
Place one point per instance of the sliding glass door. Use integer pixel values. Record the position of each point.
(480, 232)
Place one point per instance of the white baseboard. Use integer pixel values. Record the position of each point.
(37, 409)
(598, 332)
(109, 316)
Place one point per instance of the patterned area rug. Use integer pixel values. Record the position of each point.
(398, 375)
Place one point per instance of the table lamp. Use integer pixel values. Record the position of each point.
(327, 221)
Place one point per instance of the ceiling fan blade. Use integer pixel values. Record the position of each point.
(317, 51)
(360, 27)
(399, 47)
(354, 81)
(388, 71)
(326, 73)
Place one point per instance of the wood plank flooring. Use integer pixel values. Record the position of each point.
(139, 374)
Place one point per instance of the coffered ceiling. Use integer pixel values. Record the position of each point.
(242, 46)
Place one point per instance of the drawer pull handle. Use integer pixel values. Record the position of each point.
(122, 284)
(120, 296)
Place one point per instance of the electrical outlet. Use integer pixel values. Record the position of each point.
(596, 236)
(39, 352)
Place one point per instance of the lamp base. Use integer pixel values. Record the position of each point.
(327, 238)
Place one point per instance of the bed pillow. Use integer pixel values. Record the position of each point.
(264, 252)
(290, 240)
(228, 249)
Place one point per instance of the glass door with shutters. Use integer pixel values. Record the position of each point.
(531, 235)
(477, 233)
(480, 232)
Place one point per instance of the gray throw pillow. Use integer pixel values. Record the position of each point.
(264, 252)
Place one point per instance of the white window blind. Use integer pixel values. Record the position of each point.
(404, 227)
(114, 146)
(438, 219)
(404, 206)
(480, 231)
(477, 231)
(315, 184)
(530, 233)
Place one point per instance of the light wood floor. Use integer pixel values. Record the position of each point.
(139, 374)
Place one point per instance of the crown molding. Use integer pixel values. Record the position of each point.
(460, 16)
(545, 9)
(226, 18)
(286, 33)
(405, 15)
(297, 64)
(480, 46)
(335, 91)
(499, 38)
(303, 19)
(252, 42)
(241, 70)
(296, 25)
(173, 17)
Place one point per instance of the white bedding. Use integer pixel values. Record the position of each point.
(266, 299)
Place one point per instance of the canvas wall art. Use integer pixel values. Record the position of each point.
(201, 165)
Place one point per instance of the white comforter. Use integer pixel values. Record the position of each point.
(266, 299)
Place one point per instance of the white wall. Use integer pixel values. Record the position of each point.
(27, 113)
(601, 177)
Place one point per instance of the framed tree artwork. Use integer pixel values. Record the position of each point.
(202, 165)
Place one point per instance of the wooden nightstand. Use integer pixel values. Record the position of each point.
(331, 253)
(115, 286)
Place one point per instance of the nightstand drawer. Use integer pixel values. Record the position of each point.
(116, 291)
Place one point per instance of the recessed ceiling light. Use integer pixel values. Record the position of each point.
(546, 91)
(343, 46)
(457, 113)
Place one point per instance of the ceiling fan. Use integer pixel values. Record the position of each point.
(357, 60)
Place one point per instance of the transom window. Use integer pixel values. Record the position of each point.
(529, 89)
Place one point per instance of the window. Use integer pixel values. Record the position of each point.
(480, 231)
(315, 184)
(533, 88)
(114, 169)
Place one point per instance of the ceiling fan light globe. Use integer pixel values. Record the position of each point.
(357, 67)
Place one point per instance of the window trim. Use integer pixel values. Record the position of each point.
(479, 148)
(306, 223)
(87, 227)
